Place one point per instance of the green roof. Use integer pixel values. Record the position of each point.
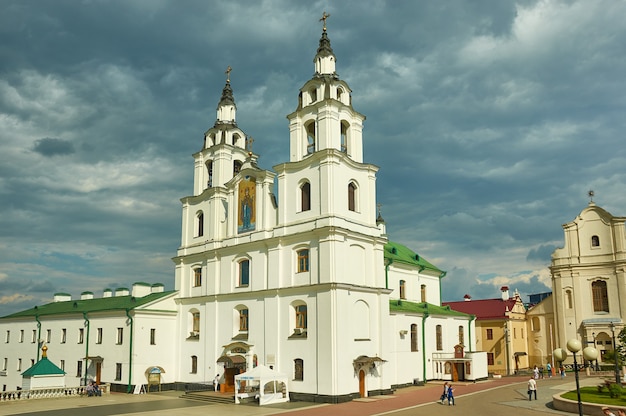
(402, 254)
(43, 367)
(422, 308)
(90, 305)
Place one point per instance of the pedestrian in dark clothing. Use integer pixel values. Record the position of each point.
(450, 395)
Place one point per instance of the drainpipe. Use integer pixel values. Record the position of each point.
(38, 334)
(469, 330)
(130, 353)
(86, 324)
(424, 343)
(388, 262)
(441, 276)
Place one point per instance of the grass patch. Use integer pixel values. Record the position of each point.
(592, 395)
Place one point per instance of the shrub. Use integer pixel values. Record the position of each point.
(615, 390)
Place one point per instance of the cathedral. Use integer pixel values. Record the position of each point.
(301, 277)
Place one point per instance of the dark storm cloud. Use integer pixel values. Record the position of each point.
(53, 147)
(489, 122)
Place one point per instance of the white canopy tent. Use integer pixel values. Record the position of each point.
(262, 383)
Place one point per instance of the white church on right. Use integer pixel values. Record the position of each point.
(589, 279)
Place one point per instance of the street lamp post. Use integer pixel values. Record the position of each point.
(615, 355)
(593, 334)
(589, 354)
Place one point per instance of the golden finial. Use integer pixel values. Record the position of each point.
(227, 72)
(324, 17)
(45, 351)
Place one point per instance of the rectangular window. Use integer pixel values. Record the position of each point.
(194, 364)
(303, 261)
(514, 333)
(32, 362)
(34, 338)
(21, 335)
(301, 316)
(19, 364)
(197, 277)
(81, 335)
(439, 337)
(62, 366)
(489, 358)
(99, 336)
(243, 320)
(196, 322)
(118, 371)
(63, 335)
(5, 363)
(49, 336)
(7, 338)
(489, 333)
(120, 336)
(298, 369)
(79, 368)
(244, 273)
(153, 336)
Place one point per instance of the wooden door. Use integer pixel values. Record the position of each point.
(362, 384)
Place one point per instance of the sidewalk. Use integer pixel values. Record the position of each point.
(483, 398)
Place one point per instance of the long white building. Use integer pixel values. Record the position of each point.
(290, 268)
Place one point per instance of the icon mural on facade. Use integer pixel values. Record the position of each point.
(247, 210)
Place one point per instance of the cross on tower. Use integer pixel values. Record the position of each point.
(227, 72)
(249, 141)
(324, 17)
(591, 194)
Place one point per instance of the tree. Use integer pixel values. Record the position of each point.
(621, 346)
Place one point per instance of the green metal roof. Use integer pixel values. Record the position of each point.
(43, 367)
(397, 305)
(90, 305)
(402, 254)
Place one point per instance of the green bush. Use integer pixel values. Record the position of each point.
(615, 390)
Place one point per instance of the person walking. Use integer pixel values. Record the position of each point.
(450, 395)
(532, 388)
(444, 395)
(216, 383)
(549, 368)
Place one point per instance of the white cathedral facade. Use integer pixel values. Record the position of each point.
(301, 281)
(290, 268)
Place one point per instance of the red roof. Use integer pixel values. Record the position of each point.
(483, 309)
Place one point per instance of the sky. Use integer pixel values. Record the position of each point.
(490, 122)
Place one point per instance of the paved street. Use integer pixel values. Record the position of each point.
(493, 397)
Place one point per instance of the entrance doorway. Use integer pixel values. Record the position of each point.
(362, 392)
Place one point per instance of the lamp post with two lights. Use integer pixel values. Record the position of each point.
(589, 354)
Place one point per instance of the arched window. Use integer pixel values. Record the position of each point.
(461, 335)
(600, 296)
(351, 196)
(414, 343)
(236, 139)
(535, 324)
(209, 169)
(303, 260)
(310, 137)
(301, 318)
(243, 319)
(197, 277)
(305, 196)
(244, 272)
(595, 241)
(194, 323)
(313, 94)
(200, 224)
(236, 167)
(438, 336)
(339, 93)
(194, 364)
(298, 369)
(344, 137)
(423, 293)
(402, 289)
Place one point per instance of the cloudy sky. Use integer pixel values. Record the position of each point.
(489, 120)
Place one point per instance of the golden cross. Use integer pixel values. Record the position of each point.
(324, 17)
(227, 72)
